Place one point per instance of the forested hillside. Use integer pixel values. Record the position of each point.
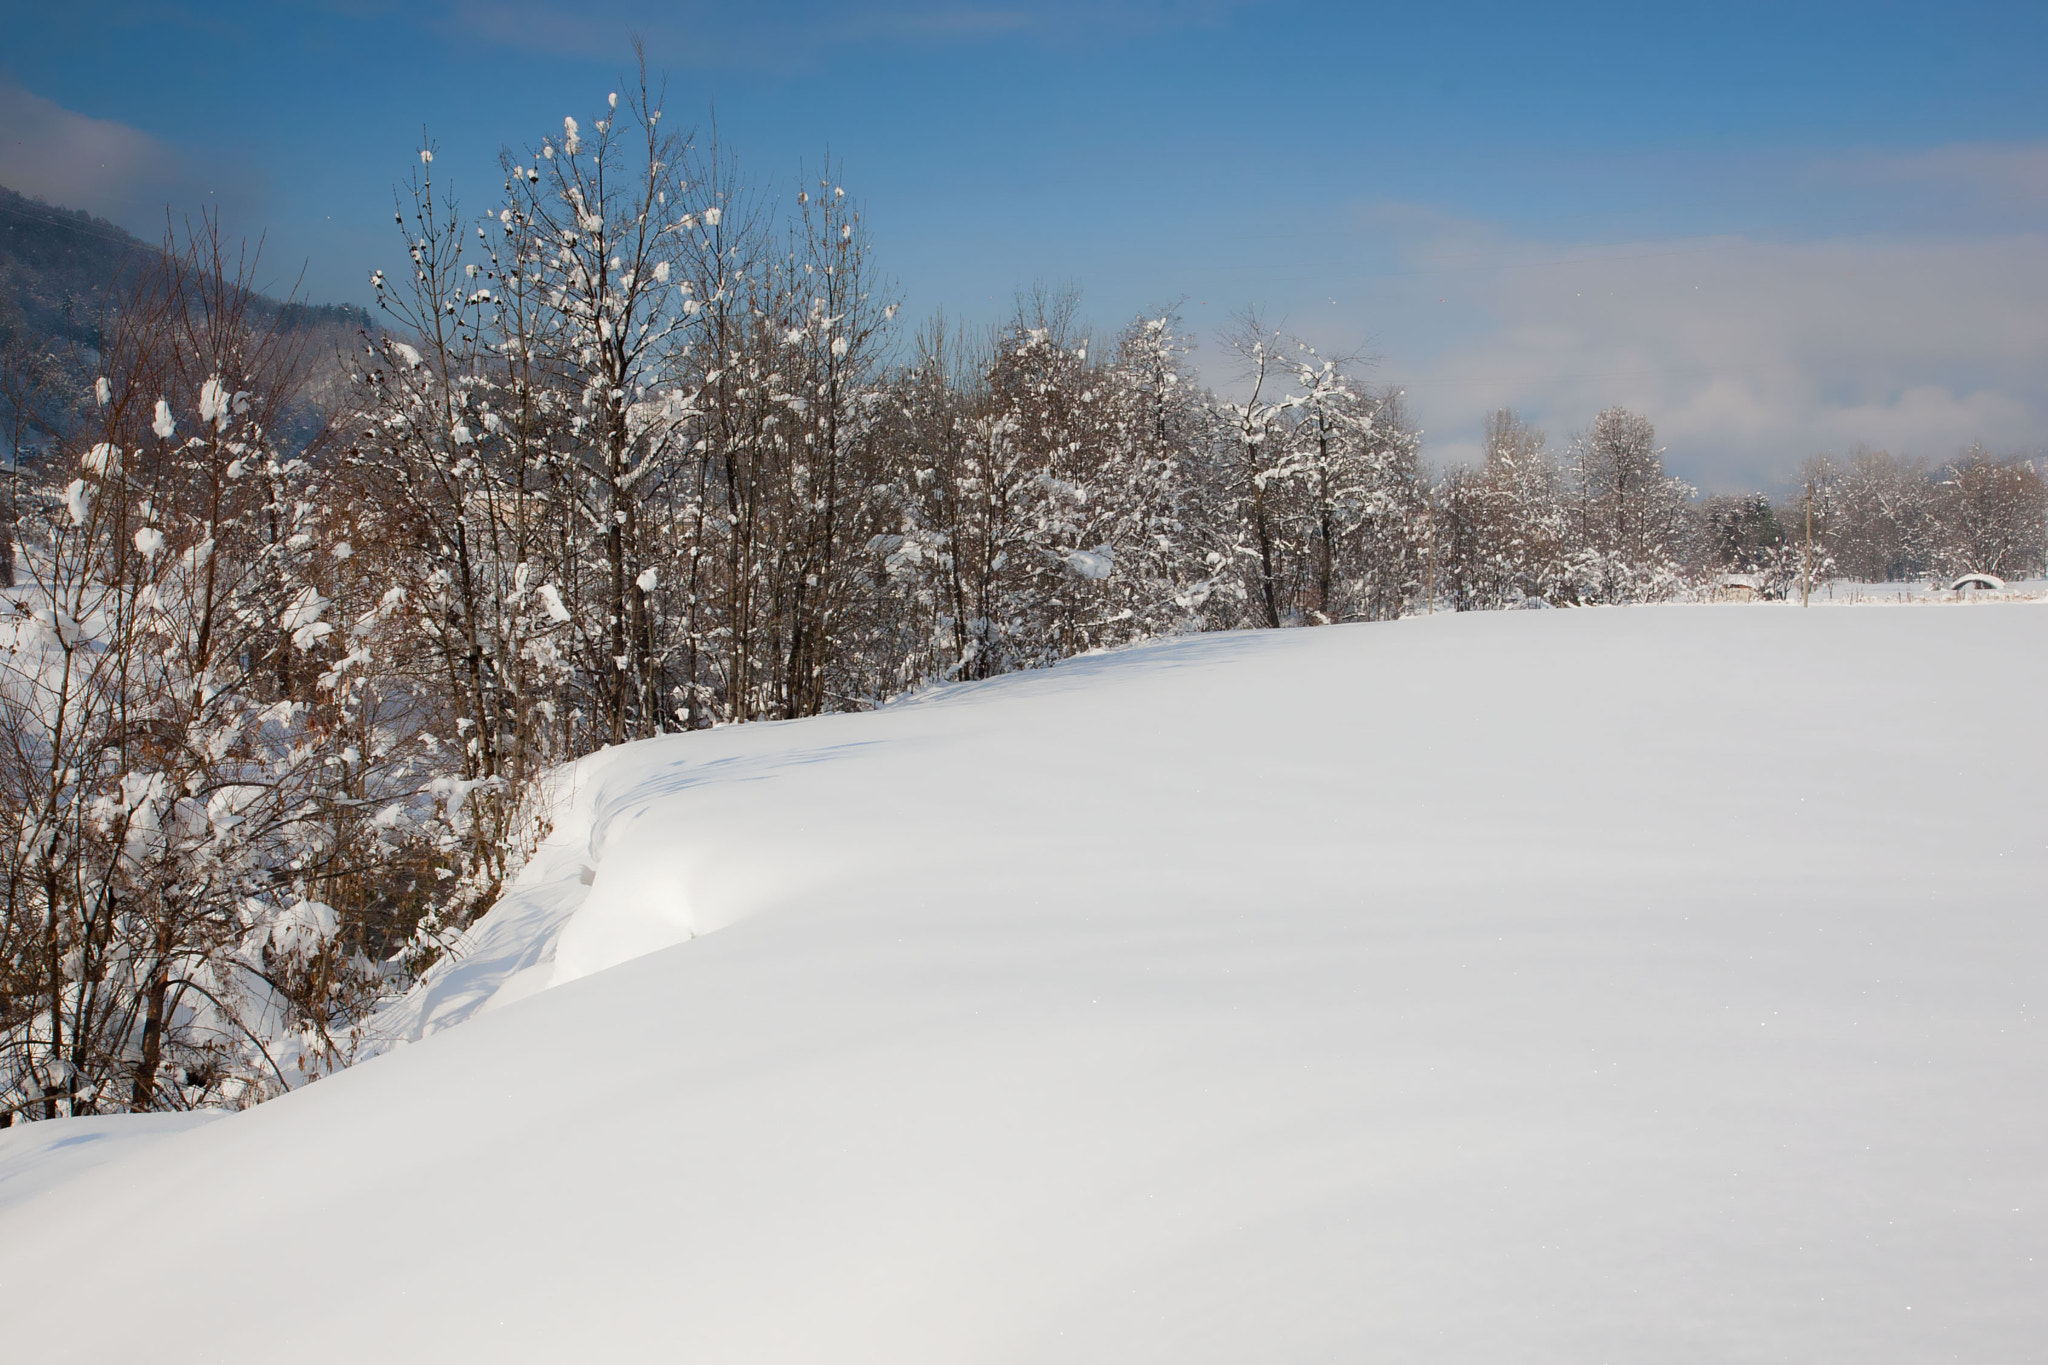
(58, 268)
(63, 275)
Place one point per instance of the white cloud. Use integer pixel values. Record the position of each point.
(70, 159)
(108, 168)
(1978, 171)
(1748, 355)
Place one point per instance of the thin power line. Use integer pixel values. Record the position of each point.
(58, 218)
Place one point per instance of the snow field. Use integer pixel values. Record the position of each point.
(37, 1157)
(1645, 984)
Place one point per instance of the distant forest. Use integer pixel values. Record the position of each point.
(60, 269)
(63, 273)
(305, 601)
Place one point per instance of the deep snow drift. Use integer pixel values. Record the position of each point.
(1649, 984)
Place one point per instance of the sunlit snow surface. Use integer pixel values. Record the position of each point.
(1577, 986)
(36, 1157)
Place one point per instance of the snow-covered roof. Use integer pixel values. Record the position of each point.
(1977, 580)
(1741, 580)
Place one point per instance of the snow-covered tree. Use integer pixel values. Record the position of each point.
(1505, 528)
(1989, 516)
(1630, 517)
(594, 228)
(196, 749)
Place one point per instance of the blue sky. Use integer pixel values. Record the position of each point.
(1775, 229)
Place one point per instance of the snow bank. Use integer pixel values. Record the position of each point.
(1649, 984)
(509, 953)
(39, 1157)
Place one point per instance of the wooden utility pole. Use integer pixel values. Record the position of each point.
(1806, 566)
(1429, 511)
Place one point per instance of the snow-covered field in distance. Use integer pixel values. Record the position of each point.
(1849, 592)
(1640, 984)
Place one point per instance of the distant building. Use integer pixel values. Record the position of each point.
(1740, 587)
(1977, 582)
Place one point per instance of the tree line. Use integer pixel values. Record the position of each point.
(644, 450)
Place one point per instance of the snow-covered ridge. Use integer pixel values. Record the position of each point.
(610, 882)
(633, 862)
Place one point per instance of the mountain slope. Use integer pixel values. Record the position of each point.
(56, 268)
(60, 267)
(1654, 984)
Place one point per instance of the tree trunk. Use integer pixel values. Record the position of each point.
(1266, 587)
(144, 1093)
